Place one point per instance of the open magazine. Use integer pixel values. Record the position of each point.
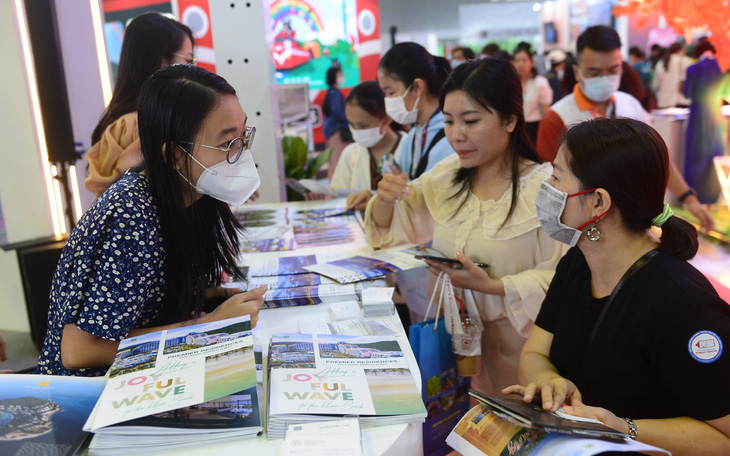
(486, 430)
(316, 377)
(180, 386)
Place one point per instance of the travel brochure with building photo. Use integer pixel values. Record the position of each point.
(317, 376)
(289, 281)
(378, 263)
(290, 265)
(168, 370)
(309, 295)
(233, 415)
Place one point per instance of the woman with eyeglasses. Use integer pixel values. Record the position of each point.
(141, 258)
(151, 41)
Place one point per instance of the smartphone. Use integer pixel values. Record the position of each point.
(446, 260)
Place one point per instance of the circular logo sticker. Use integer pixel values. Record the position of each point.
(705, 346)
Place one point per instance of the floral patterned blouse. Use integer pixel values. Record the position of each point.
(111, 274)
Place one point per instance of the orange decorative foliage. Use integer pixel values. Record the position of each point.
(684, 15)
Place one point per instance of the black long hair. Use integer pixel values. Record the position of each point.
(494, 85)
(629, 160)
(148, 40)
(406, 62)
(200, 240)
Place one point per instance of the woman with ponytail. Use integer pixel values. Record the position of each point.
(411, 79)
(627, 326)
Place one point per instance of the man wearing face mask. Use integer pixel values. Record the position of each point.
(598, 72)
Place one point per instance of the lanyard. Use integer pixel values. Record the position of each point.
(423, 144)
(634, 267)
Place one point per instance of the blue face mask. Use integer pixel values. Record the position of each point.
(550, 204)
(600, 88)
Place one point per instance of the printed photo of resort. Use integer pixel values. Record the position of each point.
(136, 357)
(190, 338)
(235, 410)
(292, 351)
(233, 370)
(337, 346)
(394, 391)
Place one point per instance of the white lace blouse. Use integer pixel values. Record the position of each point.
(519, 253)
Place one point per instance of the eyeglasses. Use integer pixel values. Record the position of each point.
(236, 146)
(189, 60)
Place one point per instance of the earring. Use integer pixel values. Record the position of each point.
(594, 234)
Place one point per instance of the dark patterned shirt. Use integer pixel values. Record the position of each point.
(111, 274)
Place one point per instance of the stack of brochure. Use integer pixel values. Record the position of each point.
(377, 302)
(318, 377)
(179, 387)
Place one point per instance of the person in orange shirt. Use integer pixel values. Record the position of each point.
(598, 72)
(151, 41)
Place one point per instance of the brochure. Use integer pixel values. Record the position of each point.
(315, 377)
(533, 415)
(307, 296)
(44, 414)
(328, 232)
(289, 281)
(367, 266)
(163, 371)
(482, 432)
(235, 415)
(290, 265)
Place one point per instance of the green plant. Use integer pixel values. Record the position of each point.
(296, 165)
(295, 159)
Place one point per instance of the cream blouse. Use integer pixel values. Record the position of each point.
(520, 253)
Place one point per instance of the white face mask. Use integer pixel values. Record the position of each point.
(550, 204)
(367, 137)
(340, 81)
(230, 183)
(456, 62)
(600, 88)
(395, 107)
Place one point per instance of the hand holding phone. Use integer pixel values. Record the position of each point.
(450, 261)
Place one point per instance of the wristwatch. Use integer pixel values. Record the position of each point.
(632, 428)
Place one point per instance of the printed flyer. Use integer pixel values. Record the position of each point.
(342, 375)
(362, 267)
(167, 370)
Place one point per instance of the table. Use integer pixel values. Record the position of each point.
(395, 440)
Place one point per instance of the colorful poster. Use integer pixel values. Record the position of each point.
(310, 36)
